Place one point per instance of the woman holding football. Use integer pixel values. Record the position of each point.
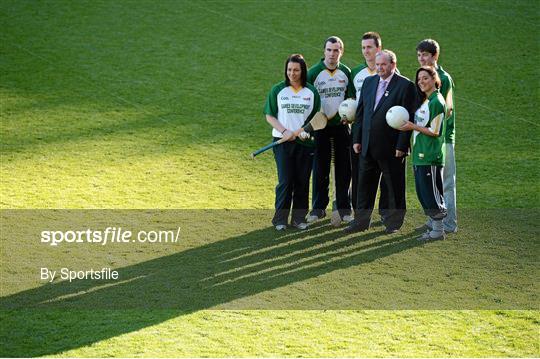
(428, 149)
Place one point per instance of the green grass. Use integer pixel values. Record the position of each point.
(289, 333)
(134, 104)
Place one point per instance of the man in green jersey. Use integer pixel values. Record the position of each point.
(371, 44)
(332, 79)
(428, 52)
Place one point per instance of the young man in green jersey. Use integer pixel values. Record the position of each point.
(332, 79)
(371, 44)
(428, 52)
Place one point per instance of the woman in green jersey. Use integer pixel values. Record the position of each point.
(289, 106)
(428, 149)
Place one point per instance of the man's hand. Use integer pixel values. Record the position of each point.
(400, 153)
(357, 147)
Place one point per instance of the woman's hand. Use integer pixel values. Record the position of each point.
(407, 126)
(301, 134)
(289, 135)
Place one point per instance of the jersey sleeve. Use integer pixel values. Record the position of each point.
(270, 107)
(436, 113)
(449, 97)
(445, 86)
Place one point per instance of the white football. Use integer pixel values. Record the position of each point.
(348, 109)
(397, 116)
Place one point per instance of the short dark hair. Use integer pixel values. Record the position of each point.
(429, 45)
(298, 58)
(432, 72)
(333, 40)
(374, 36)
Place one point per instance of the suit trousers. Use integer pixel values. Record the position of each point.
(383, 194)
(321, 169)
(293, 162)
(370, 171)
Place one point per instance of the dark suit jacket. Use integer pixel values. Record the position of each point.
(371, 129)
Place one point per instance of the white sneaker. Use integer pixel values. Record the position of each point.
(348, 218)
(301, 226)
(335, 220)
(280, 227)
(312, 218)
(431, 236)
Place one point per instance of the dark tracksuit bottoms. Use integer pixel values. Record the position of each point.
(294, 162)
(429, 188)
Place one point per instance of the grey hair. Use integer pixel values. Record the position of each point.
(390, 55)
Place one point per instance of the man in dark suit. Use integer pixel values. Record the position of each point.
(382, 148)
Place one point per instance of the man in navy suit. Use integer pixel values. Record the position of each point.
(382, 148)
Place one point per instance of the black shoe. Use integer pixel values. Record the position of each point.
(354, 228)
(391, 230)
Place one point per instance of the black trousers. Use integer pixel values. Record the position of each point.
(383, 194)
(293, 162)
(321, 169)
(370, 171)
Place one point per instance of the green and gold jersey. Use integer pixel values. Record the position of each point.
(333, 87)
(447, 91)
(292, 108)
(358, 75)
(428, 150)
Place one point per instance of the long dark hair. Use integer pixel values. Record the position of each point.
(298, 58)
(433, 73)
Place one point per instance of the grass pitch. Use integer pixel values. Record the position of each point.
(138, 104)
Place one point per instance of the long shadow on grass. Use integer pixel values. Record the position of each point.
(61, 316)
